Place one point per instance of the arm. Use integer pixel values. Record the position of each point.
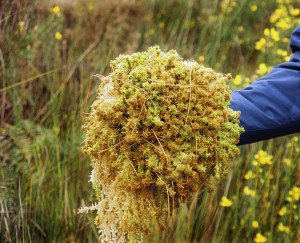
(270, 106)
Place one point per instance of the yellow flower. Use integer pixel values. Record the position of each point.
(259, 238)
(285, 40)
(90, 6)
(161, 25)
(255, 224)
(248, 191)
(283, 228)
(260, 44)
(295, 12)
(289, 199)
(295, 139)
(249, 175)
(229, 9)
(282, 211)
(287, 161)
(295, 193)
(151, 31)
(58, 35)
(237, 79)
(266, 32)
(279, 52)
(240, 28)
(21, 26)
(253, 8)
(201, 58)
(274, 34)
(287, 58)
(276, 15)
(225, 202)
(233, 4)
(262, 69)
(296, 217)
(262, 157)
(297, 150)
(56, 9)
(283, 24)
(261, 180)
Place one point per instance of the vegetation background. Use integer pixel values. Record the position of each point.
(49, 50)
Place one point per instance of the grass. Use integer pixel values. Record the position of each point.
(44, 176)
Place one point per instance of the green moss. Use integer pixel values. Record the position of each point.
(158, 130)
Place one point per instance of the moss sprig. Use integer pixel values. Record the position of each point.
(159, 128)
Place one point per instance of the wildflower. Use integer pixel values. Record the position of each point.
(260, 44)
(287, 58)
(283, 23)
(151, 31)
(233, 4)
(285, 40)
(248, 191)
(259, 238)
(276, 15)
(295, 193)
(282, 211)
(262, 157)
(262, 181)
(262, 69)
(289, 199)
(279, 52)
(56, 9)
(237, 79)
(193, 22)
(201, 58)
(283, 228)
(90, 6)
(296, 217)
(161, 25)
(295, 139)
(58, 35)
(297, 150)
(249, 175)
(229, 9)
(240, 28)
(21, 26)
(295, 12)
(225, 202)
(266, 32)
(255, 224)
(287, 161)
(253, 8)
(274, 34)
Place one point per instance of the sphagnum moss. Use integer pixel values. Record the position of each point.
(159, 128)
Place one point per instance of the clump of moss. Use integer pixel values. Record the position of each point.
(159, 128)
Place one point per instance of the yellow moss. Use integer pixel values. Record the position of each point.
(158, 130)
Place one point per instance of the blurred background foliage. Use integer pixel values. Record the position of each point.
(49, 51)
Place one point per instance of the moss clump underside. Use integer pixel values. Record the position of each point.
(159, 129)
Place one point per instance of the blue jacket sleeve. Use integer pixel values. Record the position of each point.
(270, 106)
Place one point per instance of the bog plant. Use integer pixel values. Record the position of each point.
(159, 129)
